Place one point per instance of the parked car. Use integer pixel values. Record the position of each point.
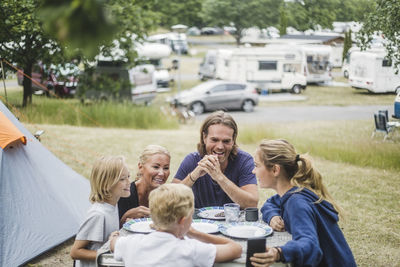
(214, 95)
(59, 79)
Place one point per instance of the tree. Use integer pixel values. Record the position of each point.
(383, 20)
(346, 44)
(307, 14)
(283, 21)
(353, 10)
(242, 14)
(177, 12)
(23, 40)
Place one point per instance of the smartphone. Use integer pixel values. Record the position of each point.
(255, 245)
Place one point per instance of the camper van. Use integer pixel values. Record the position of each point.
(215, 64)
(373, 71)
(137, 84)
(268, 68)
(315, 63)
(177, 41)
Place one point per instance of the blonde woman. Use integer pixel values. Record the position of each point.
(172, 207)
(153, 171)
(302, 206)
(109, 181)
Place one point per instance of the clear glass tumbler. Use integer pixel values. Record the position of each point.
(232, 212)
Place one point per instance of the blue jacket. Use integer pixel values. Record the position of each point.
(317, 238)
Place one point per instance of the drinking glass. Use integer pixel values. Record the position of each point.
(232, 212)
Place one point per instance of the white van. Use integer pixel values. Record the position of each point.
(373, 71)
(316, 65)
(269, 68)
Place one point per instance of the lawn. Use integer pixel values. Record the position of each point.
(369, 194)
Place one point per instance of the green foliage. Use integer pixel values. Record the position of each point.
(177, 12)
(283, 21)
(347, 44)
(385, 20)
(22, 39)
(241, 14)
(104, 114)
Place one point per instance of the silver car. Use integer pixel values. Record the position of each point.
(214, 95)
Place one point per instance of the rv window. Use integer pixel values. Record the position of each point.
(386, 63)
(309, 59)
(266, 65)
(235, 87)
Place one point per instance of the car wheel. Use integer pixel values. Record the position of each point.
(346, 74)
(197, 107)
(296, 89)
(248, 105)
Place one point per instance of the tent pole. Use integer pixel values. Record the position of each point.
(4, 80)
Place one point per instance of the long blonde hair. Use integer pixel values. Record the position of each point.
(105, 174)
(299, 168)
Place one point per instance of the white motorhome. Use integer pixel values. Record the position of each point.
(315, 63)
(177, 41)
(373, 71)
(269, 68)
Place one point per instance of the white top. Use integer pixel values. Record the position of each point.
(101, 220)
(163, 249)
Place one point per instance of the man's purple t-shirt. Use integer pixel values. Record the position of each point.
(206, 191)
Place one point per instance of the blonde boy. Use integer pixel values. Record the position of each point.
(171, 209)
(109, 181)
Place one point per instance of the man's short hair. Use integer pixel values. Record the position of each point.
(169, 203)
(218, 117)
(105, 174)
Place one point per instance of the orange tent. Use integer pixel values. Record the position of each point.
(9, 133)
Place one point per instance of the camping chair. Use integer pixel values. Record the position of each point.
(381, 125)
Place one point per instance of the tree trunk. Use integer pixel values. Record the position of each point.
(27, 83)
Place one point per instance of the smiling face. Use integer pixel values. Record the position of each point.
(219, 142)
(122, 187)
(265, 175)
(155, 170)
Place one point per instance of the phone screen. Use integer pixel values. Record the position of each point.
(255, 245)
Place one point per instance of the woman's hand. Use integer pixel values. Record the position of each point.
(135, 213)
(266, 258)
(277, 223)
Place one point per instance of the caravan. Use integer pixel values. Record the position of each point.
(373, 71)
(269, 68)
(315, 63)
(177, 41)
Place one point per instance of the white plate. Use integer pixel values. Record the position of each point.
(205, 226)
(212, 213)
(245, 230)
(141, 225)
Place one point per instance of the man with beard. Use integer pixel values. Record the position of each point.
(219, 172)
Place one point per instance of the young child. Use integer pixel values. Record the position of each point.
(171, 209)
(109, 181)
(302, 206)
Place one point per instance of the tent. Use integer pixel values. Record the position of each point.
(42, 200)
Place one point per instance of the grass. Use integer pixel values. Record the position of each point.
(46, 110)
(369, 192)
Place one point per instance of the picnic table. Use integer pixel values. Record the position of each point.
(105, 257)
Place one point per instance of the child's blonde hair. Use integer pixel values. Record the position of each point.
(169, 203)
(105, 174)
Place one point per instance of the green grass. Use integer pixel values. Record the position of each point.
(365, 182)
(336, 96)
(46, 110)
(344, 141)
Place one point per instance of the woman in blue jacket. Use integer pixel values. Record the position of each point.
(302, 206)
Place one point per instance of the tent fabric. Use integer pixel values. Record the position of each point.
(9, 133)
(42, 200)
